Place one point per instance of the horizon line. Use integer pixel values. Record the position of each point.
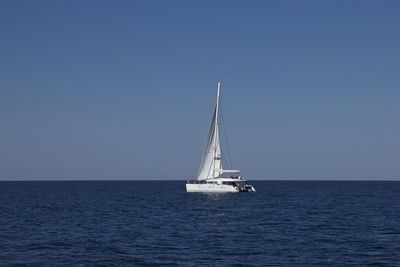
(160, 180)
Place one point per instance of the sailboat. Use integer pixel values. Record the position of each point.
(211, 176)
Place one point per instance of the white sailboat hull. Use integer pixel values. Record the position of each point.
(220, 185)
(210, 188)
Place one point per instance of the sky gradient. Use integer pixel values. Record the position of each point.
(126, 89)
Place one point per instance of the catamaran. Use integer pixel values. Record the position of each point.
(211, 176)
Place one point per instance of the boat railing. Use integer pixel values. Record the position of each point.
(196, 182)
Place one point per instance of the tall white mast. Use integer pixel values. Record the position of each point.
(217, 110)
(216, 131)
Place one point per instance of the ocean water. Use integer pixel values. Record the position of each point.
(154, 223)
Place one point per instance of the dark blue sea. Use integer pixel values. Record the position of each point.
(156, 223)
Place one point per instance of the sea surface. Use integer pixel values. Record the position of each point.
(156, 223)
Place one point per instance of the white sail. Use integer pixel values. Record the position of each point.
(211, 164)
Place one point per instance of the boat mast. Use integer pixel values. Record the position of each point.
(216, 115)
(216, 126)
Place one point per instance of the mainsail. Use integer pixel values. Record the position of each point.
(211, 164)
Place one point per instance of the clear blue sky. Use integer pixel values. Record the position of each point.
(125, 89)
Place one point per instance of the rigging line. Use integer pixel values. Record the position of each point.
(213, 157)
(229, 159)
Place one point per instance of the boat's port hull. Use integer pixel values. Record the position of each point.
(208, 188)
